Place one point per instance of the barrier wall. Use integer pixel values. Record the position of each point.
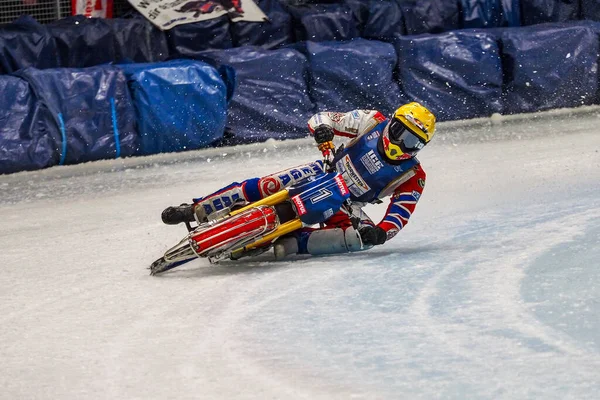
(73, 115)
(353, 75)
(24, 143)
(26, 44)
(277, 32)
(458, 75)
(550, 67)
(90, 110)
(50, 114)
(590, 10)
(179, 105)
(271, 98)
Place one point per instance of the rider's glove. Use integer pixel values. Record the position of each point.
(323, 134)
(372, 235)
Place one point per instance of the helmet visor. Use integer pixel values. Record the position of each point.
(400, 135)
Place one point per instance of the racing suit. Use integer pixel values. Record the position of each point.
(370, 176)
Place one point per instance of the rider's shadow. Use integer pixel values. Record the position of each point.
(266, 263)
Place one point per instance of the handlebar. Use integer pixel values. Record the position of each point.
(327, 149)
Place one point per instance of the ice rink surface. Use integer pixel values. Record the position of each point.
(491, 292)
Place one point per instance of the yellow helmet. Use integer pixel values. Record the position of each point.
(410, 129)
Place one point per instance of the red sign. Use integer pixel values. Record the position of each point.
(342, 185)
(92, 8)
(300, 208)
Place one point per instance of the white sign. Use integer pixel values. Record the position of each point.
(166, 14)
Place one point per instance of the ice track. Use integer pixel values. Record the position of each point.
(491, 292)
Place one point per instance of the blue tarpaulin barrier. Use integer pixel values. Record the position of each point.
(180, 104)
(137, 40)
(457, 75)
(276, 32)
(354, 75)
(550, 66)
(490, 13)
(25, 144)
(85, 42)
(26, 43)
(324, 22)
(430, 16)
(590, 9)
(189, 40)
(271, 98)
(90, 110)
(383, 20)
(541, 11)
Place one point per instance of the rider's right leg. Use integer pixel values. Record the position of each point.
(229, 196)
(239, 193)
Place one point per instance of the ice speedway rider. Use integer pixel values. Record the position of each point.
(379, 161)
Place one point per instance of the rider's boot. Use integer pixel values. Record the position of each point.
(177, 214)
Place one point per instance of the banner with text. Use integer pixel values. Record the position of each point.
(166, 14)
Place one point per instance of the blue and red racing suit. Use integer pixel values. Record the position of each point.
(370, 177)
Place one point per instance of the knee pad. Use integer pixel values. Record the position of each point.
(332, 241)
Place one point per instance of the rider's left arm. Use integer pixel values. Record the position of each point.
(403, 203)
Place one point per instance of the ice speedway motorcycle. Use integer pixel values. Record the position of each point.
(254, 228)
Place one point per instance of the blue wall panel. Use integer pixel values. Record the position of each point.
(90, 110)
(137, 40)
(457, 74)
(550, 66)
(25, 43)
(180, 105)
(354, 75)
(83, 42)
(190, 40)
(384, 19)
(430, 16)
(324, 22)
(25, 143)
(276, 32)
(590, 9)
(271, 98)
(542, 11)
(490, 13)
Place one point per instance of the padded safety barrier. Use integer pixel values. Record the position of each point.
(190, 40)
(550, 66)
(26, 43)
(77, 37)
(90, 110)
(457, 75)
(430, 16)
(85, 42)
(383, 20)
(542, 11)
(180, 105)
(271, 98)
(323, 22)
(490, 13)
(137, 40)
(590, 9)
(25, 144)
(354, 75)
(277, 32)
(52, 116)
